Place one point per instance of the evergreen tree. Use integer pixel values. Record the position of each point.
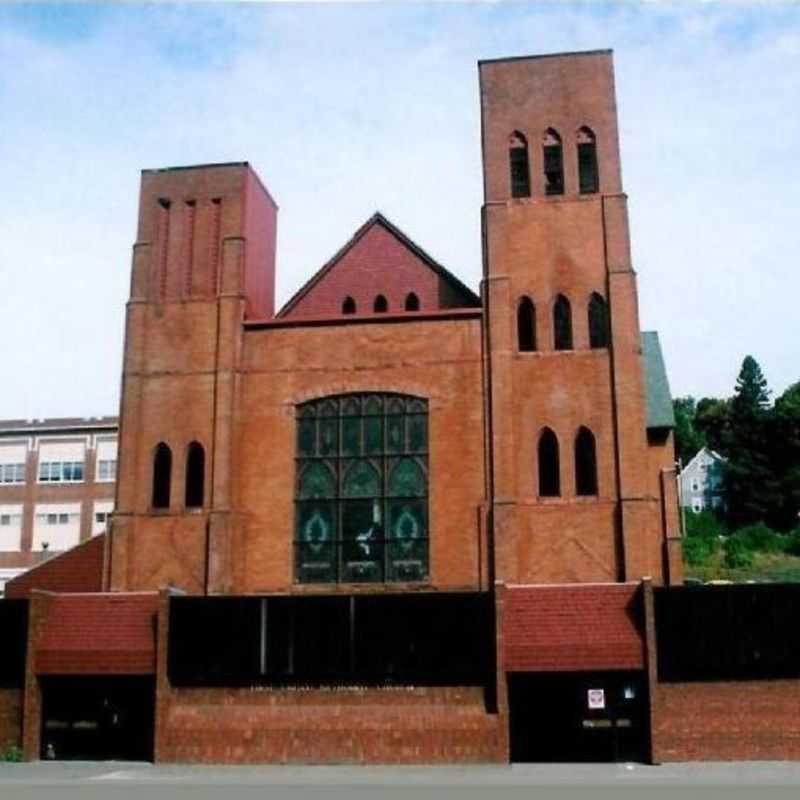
(713, 421)
(752, 493)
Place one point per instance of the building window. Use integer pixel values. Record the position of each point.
(361, 510)
(562, 324)
(101, 517)
(412, 302)
(518, 165)
(195, 475)
(549, 466)
(162, 475)
(695, 485)
(55, 519)
(61, 472)
(526, 325)
(348, 306)
(598, 321)
(587, 161)
(12, 473)
(5, 519)
(106, 470)
(697, 506)
(553, 163)
(585, 463)
(381, 305)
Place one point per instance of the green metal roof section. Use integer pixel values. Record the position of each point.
(659, 397)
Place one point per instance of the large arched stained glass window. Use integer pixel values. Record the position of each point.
(362, 489)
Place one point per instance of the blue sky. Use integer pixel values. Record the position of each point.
(345, 109)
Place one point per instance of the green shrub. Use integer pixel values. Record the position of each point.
(12, 753)
(697, 551)
(737, 554)
(760, 537)
(792, 546)
(703, 525)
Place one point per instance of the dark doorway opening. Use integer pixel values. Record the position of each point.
(98, 718)
(578, 717)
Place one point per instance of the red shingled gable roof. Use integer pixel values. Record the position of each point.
(573, 628)
(467, 297)
(94, 634)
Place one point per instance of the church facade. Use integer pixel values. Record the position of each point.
(386, 521)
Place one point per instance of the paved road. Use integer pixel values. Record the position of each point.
(87, 781)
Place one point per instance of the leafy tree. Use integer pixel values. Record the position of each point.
(786, 456)
(713, 421)
(751, 490)
(688, 440)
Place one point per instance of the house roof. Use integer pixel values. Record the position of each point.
(660, 413)
(379, 219)
(573, 627)
(91, 634)
(57, 425)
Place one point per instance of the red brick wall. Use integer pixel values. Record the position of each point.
(719, 721)
(403, 726)
(77, 570)
(345, 725)
(10, 718)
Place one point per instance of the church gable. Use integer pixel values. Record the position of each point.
(379, 270)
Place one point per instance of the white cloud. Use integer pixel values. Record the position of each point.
(343, 110)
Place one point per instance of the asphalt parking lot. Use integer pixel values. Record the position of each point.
(81, 780)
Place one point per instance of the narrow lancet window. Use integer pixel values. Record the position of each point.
(526, 325)
(587, 161)
(162, 476)
(549, 478)
(585, 463)
(518, 165)
(380, 306)
(348, 306)
(195, 475)
(553, 163)
(562, 324)
(598, 321)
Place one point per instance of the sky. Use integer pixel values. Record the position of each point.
(348, 109)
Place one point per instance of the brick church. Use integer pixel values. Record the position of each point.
(393, 520)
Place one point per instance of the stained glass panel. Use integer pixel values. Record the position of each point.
(351, 436)
(361, 480)
(306, 435)
(346, 527)
(317, 481)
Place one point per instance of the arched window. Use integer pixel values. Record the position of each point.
(526, 325)
(380, 306)
(562, 324)
(585, 463)
(549, 477)
(588, 179)
(362, 489)
(412, 302)
(518, 165)
(553, 162)
(598, 321)
(195, 475)
(162, 476)
(348, 306)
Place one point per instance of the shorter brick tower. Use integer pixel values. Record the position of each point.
(203, 262)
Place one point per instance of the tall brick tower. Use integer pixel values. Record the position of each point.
(204, 261)
(572, 494)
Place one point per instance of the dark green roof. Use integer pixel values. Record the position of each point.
(659, 398)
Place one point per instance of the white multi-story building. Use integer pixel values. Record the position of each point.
(701, 481)
(57, 481)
